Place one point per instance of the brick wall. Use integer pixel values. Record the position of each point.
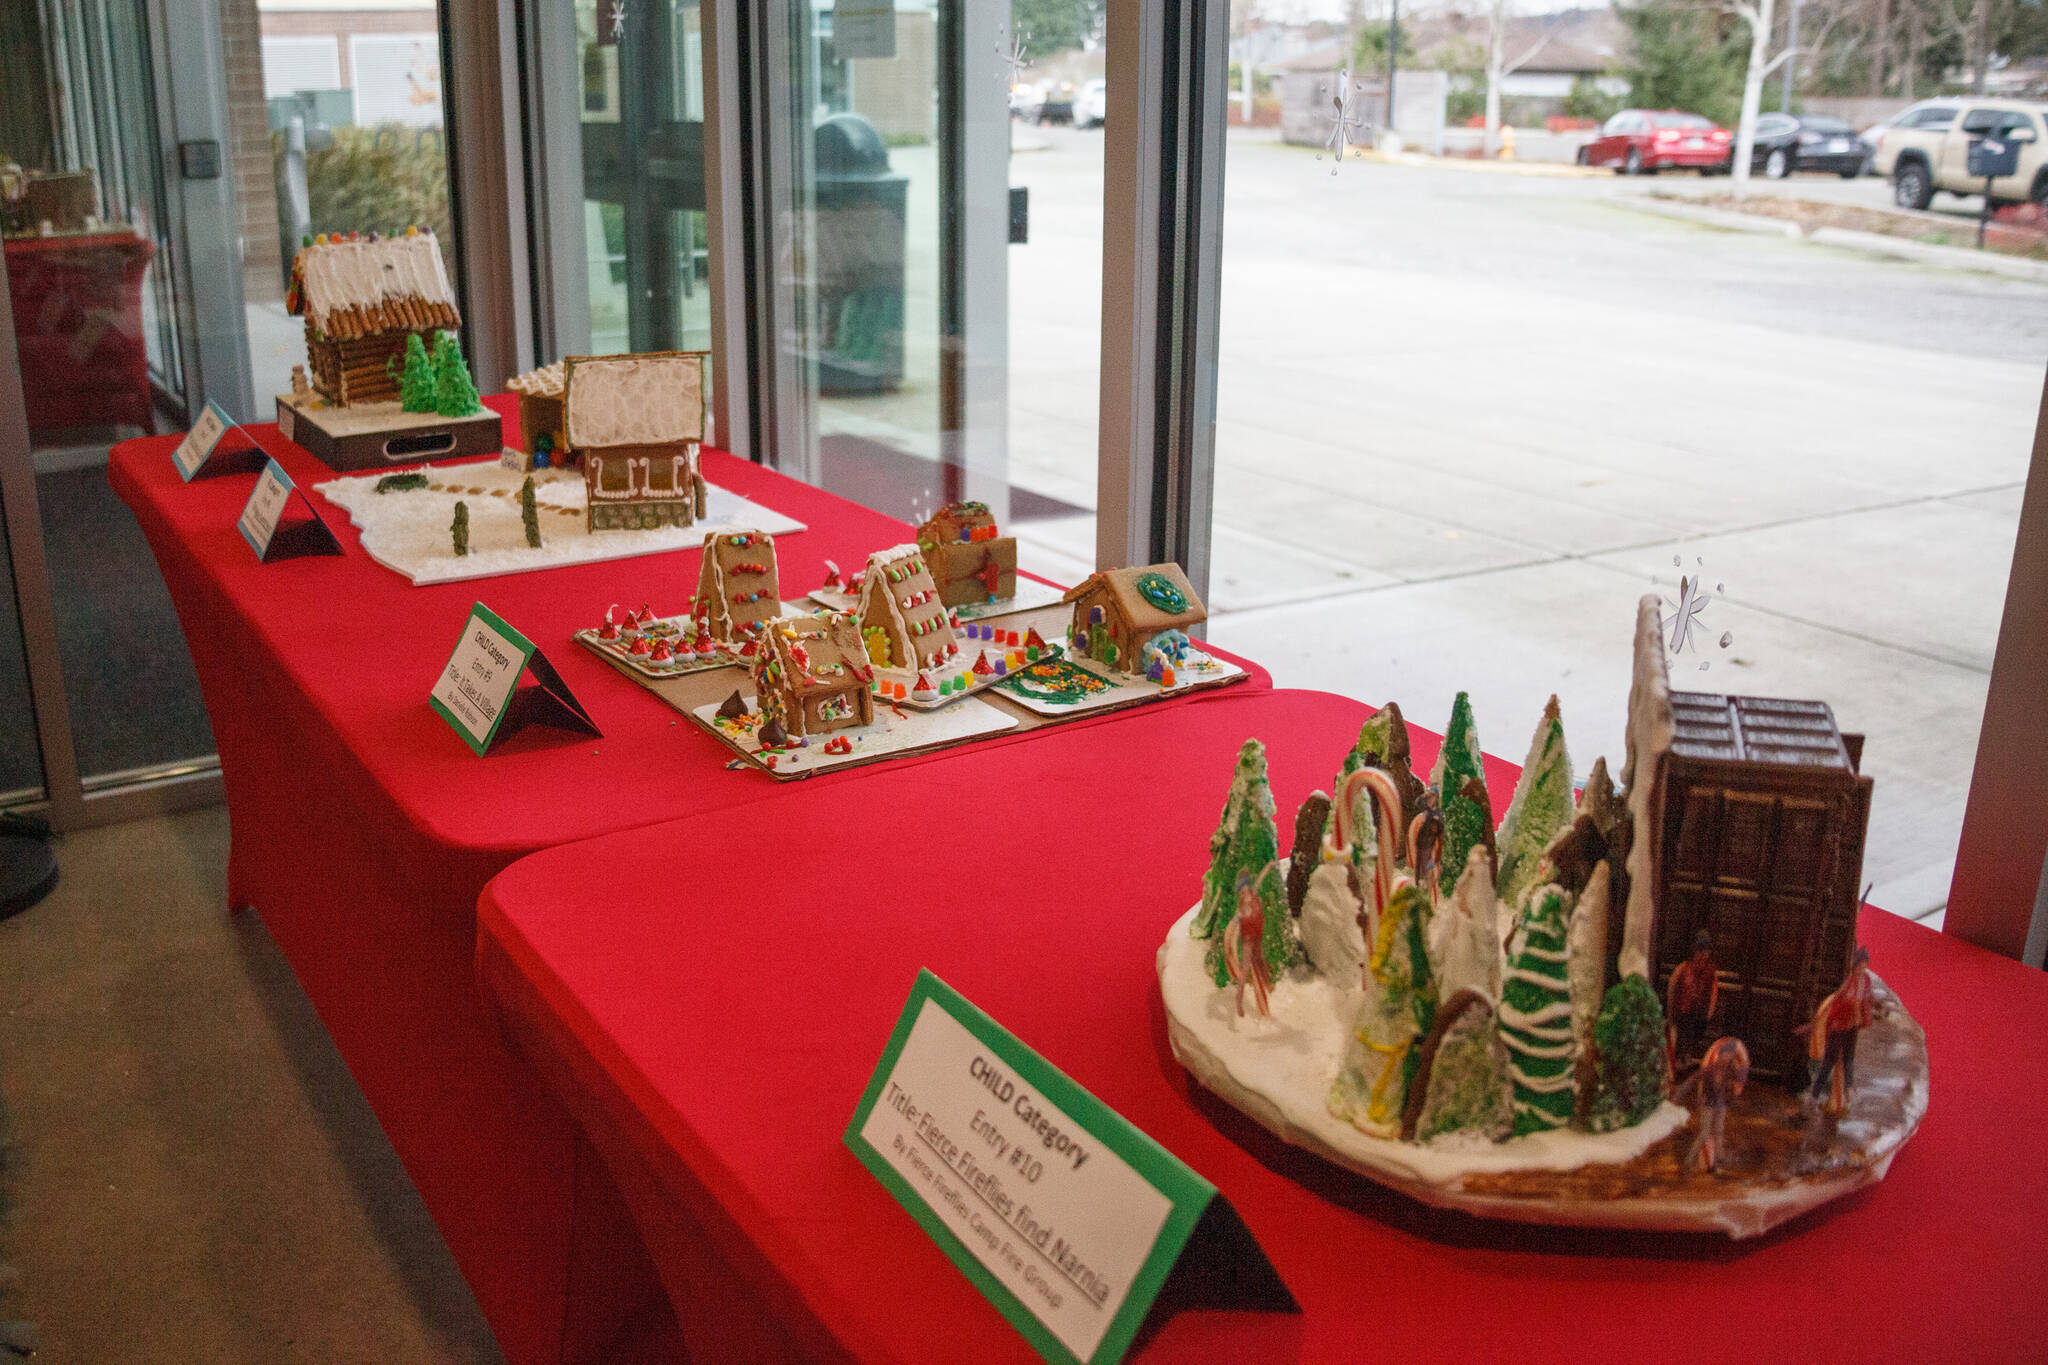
(249, 151)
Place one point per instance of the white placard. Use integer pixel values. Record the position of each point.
(1060, 1220)
(258, 522)
(480, 677)
(200, 441)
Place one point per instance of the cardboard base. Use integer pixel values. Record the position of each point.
(1119, 690)
(619, 652)
(895, 733)
(1030, 596)
(383, 435)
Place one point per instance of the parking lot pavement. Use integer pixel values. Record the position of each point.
(1464, 421)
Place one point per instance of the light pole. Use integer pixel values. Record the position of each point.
(1791, 57)
(1393, 58)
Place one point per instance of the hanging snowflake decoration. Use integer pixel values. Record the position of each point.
(615, 16)
(1347, 124)
(1683, 626)
(1014, 54)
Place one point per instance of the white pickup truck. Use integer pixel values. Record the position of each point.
(1928, 148)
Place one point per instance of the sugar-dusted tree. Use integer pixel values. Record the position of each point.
(454, 391)
(1540, 809)
(529, 513)
(1536, 1015)
(1630, 1036)
(416, 383)
(1468, 818)
(1246, 840)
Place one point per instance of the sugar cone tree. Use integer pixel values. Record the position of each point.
(1467, 821)
(1246, 840)
(1536, 1016)
(1541, 807)
(416, 383)
(454, 391)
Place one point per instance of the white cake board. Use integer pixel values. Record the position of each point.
(1123, 690)
(891, 736)
(1278, 1070)
(408, 533)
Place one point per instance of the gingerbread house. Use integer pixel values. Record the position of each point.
(362, 297)
(1122, 614)
(541, 421)
(902, 620)
(636, 422)
(968, 558)
(737, 587)
(812, 675)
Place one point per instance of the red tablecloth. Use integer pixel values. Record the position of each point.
(719, 1092)
(363, 830)
(78, 328)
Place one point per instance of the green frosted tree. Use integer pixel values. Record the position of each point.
(1395, 1014)
(1467, 1082)
(1536, 1015)
(454, 391)
(529, 514)
(1467, 822)
(416, 384)
(1541, 808)
(1246, 840)
(1629, 1036)
(458, 530)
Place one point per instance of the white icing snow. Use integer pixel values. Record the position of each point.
(408, 533)
(1278, 1070)
(362, 273)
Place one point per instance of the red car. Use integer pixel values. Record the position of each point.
(1646, 141)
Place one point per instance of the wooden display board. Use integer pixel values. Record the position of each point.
(384, 435)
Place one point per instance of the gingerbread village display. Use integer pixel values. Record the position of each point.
(1634, 1007)
(384, 381)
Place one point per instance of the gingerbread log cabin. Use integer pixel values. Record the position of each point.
(636, 422)
(362, 298)
(1119, 612)
(737, 586)
(812, 673)
(1760, 844)
(969, 559)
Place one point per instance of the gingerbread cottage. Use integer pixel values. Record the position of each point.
(737, 587)
(541, 419)
(636, 422)
(902, 620)
(362, 297)
(1120, 613)
(812, 674)
(969, 560)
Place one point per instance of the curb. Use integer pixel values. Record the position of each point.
(1869, 243)
(1481, 166)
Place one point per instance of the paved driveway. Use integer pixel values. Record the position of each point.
(1466, 418)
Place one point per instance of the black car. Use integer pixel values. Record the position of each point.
(1807, 142)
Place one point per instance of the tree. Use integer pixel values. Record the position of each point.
(1759, 15)
(1049, 26)
(1536, 1016)
(1677, 59)
(529, 515)
(458, 529)
(1248, 841)
(1499, 65)
(1467, 822)
(1630, 1036)
(1540, 809)
(454, 391)
(1395, 1015)
(416, 384)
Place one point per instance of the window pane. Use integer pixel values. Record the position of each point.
(1465, 419)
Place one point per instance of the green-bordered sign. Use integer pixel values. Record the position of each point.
(478, 692)
(1066, 1218)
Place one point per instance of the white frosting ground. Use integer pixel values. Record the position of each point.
(1279, 1070)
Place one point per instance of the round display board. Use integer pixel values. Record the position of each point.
(1778, 1161)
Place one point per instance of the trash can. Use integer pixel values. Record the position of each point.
(861, 208)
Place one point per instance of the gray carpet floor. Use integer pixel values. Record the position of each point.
(192, 1175)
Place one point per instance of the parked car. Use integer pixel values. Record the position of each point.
(1927, 114)
(1934, 152)
(1786, 143)
(1646, 141)
(1091, 104)
(1049, 102)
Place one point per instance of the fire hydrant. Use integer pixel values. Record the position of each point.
(1507, 143)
